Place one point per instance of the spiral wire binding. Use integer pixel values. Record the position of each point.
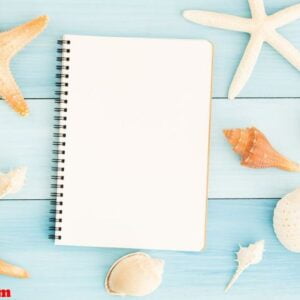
(59, 142)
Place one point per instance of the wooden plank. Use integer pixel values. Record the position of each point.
(279, 120)
(78, 273)
(29, 142)
(35, 66)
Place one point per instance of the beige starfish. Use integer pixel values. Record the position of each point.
(10, 43)
(261, 27)
(12, 270)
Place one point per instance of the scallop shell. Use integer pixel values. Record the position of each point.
(136, 274)
(256, 151)
(286, 221)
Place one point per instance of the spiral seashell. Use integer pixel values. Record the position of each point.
(286, 221)
(256, 151)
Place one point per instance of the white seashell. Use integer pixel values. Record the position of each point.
(286, 221)
(12, 181)
(246, 256)
(136, 274)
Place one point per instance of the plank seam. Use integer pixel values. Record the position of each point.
(213, 199)
(271, 98)
(214, 98)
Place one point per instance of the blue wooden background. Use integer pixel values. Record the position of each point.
(241, 200)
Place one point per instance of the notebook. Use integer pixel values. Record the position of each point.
(132, 142)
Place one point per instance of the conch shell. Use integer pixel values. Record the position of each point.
(286, 221)
(136, 274)
(256, 151)
(246, 256)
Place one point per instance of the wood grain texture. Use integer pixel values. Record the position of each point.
(35, 66)
(78, 273)
(29, 142)
(279, 120)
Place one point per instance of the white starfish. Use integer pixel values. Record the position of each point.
(261, 27)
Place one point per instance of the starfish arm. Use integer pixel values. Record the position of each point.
(14, 40)
(285, 16)
(285, 48)
(11, 270)
(10, 91)
(257, 8)
(246, 65)
(218, 20)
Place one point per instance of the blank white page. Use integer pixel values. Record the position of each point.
(137, 140)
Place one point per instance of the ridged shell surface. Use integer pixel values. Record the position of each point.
(256, 151)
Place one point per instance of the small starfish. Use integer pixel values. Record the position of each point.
(261, 27)
(10, 43)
